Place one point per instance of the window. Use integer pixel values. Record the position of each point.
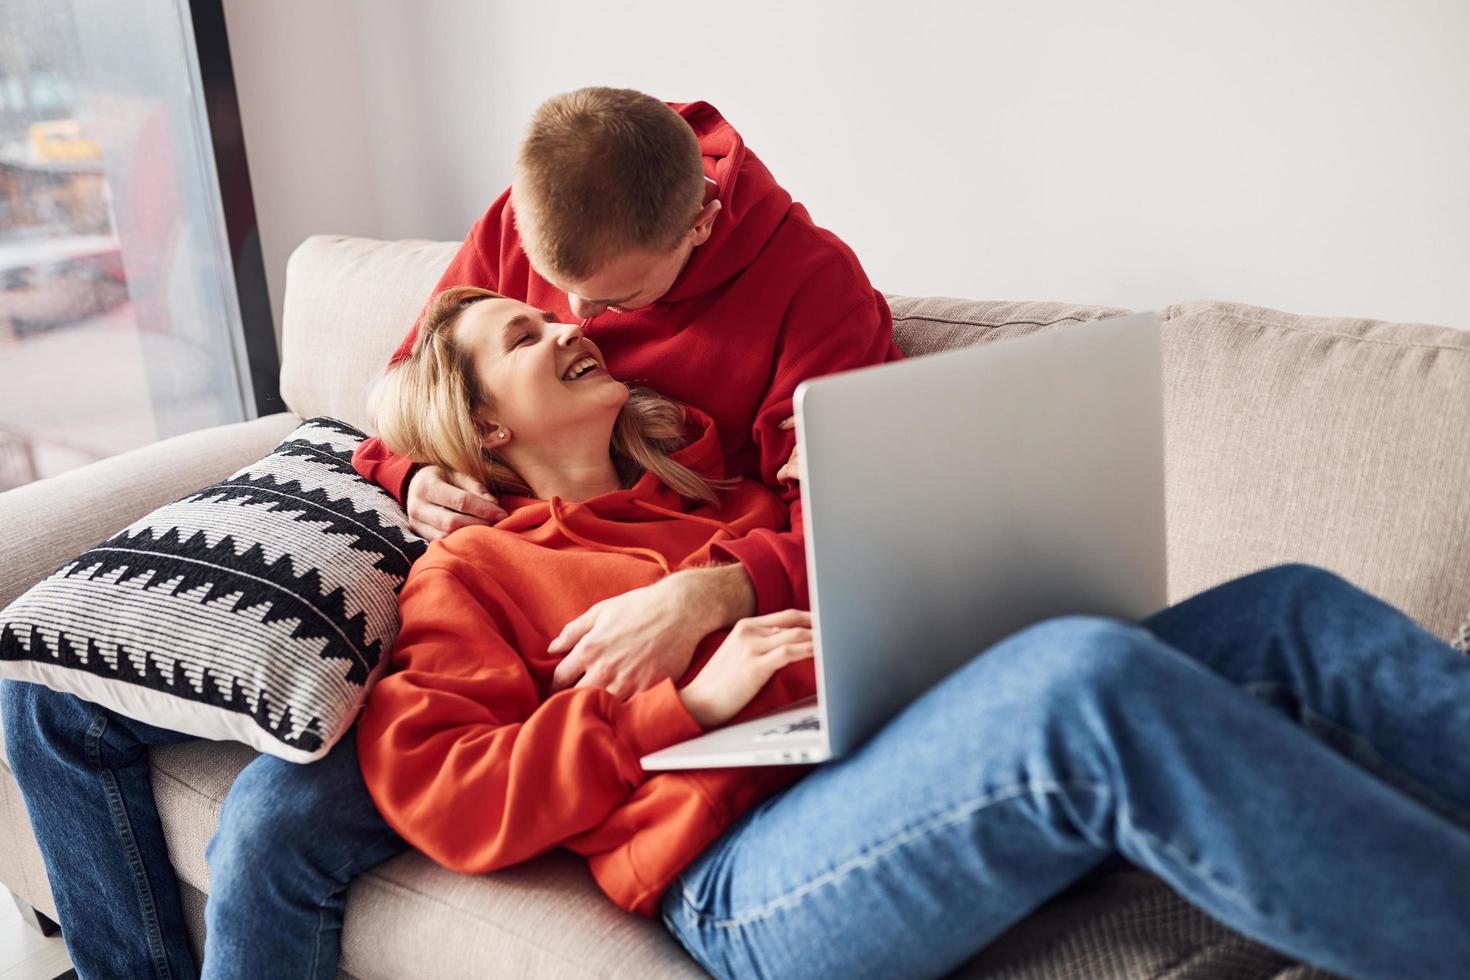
(132, 301)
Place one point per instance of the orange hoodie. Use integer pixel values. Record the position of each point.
(468, 758)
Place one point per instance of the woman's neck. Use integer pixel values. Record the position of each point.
(574, 483)
(569, 471)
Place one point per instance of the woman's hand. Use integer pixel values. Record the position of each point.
(441, 501)
(755, 649)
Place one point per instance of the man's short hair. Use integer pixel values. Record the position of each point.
(600, 171)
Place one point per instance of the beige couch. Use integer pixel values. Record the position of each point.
(1345, 443)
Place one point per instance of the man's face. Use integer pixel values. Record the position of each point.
(632, 280)
(637, 278)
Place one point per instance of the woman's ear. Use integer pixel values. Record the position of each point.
(493, 435)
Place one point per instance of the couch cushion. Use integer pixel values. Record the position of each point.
(924, 325)
(411, 918)
(1120, 923)
(21, 867)
(349, 302)
(1340, 442)
(257, 609)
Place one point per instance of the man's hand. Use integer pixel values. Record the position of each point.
(441, 501)
(631, 642)
(791, 470)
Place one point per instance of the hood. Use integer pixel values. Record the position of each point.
(648, 500)
(647, 521)
(753, 205)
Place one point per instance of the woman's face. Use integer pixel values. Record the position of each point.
(547, 381)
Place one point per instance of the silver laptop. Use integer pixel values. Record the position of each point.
(951, 500)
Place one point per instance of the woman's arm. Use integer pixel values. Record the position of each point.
(465, 761)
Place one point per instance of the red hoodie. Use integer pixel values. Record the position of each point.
(467, 757)
(767, 302)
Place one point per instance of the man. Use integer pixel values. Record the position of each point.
(696, 275)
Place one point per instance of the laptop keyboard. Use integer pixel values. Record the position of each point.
(794, 729)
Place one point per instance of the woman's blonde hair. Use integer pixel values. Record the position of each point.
(425, 408)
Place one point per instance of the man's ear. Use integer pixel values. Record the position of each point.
(704, 222)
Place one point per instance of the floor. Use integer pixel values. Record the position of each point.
(24, 953)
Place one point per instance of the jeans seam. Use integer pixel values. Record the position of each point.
(321, 909)
(870, 856)
(1202, 874)
(123, 827)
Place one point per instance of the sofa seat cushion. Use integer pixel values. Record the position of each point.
(547, 918)
(1340, 442)
(412, 918)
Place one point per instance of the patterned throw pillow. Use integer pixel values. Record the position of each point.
(257, 610)
(1462, 642)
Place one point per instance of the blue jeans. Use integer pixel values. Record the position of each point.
(1289, 753)
(290, 839)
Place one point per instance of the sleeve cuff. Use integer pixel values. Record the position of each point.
(655, 719)
(404, 480)
(376, 464)
(768, 576)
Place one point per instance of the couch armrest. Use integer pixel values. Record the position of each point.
(46, 523)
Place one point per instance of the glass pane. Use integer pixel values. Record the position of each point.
(119, 323)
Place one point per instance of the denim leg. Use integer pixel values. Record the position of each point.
(290, 840)
(1352, 669)
(83, 772)
(1063, 745)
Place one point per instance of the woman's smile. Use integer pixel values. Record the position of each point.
(582, 367)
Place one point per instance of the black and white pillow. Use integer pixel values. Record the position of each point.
(1462, 641)
(259, 609)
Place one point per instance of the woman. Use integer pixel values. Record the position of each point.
(1285, 750)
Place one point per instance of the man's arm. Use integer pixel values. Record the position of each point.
(629, 642)
(477, 263)
(858, 336)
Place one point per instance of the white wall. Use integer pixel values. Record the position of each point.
(1310, 155)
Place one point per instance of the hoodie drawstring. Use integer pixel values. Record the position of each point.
(559, 518)
(712, 522)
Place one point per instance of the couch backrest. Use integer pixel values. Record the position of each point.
(348, 304)
(1345, 443)
(1341, 442)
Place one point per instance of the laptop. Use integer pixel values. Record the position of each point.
(953, 499)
